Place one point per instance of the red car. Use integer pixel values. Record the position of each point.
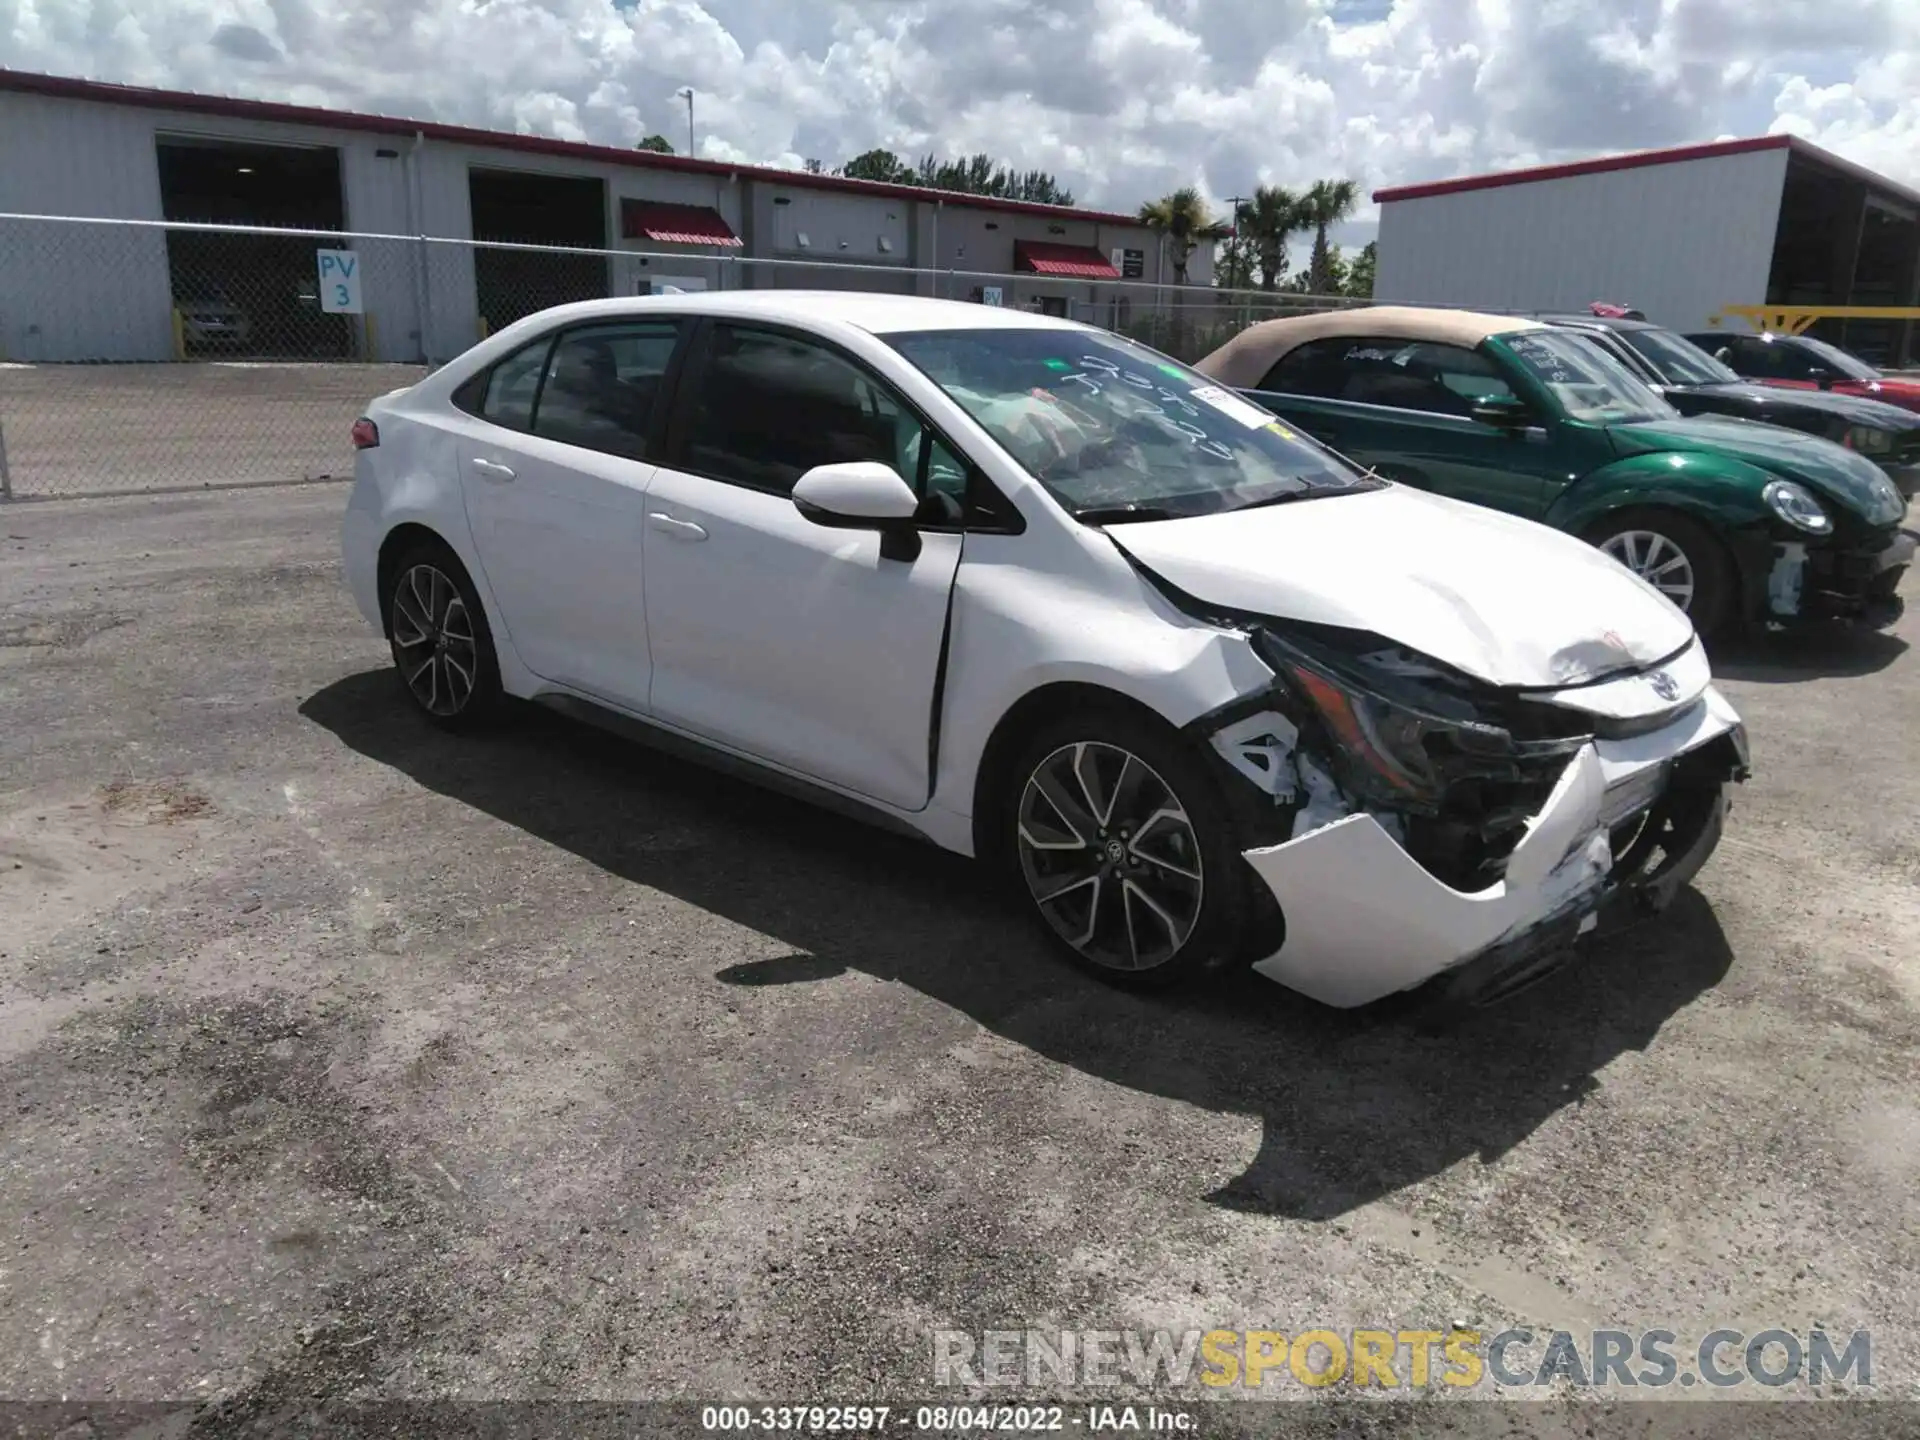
(1799, 362)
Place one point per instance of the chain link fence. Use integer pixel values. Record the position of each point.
(151, 356)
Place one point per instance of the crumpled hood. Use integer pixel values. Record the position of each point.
(1505, 600)
(1853, 409)
(1833, 471)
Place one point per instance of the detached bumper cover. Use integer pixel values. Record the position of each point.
(1364, 920)
(1858, 584)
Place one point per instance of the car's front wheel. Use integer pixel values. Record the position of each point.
(442, 646)
(1126, 851)
(1678, 557)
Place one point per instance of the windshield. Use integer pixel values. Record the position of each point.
(1586, 382)
(1679, 360)
(1851, 366)
(1110, 427)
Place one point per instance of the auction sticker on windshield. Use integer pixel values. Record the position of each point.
(1232, 406)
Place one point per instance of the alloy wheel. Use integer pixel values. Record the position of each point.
(1657, 560)
(1110, 856)
(433, 640)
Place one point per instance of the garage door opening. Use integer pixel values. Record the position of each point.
(253, 296)
(519, 209)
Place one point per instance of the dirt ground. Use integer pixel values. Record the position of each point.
(337, 1055)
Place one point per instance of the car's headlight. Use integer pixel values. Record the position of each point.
(1794, 505)
(1406, 736)
(1870, 441)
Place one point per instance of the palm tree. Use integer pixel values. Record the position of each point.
(1326, 204)
(1183, 217)
(1268, 221)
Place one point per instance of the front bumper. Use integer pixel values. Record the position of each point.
(1364, 920)
(1859, 584)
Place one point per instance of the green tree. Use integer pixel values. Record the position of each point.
(1360, 272)
(659, 144)
(973, 175)
(1183, 217)
(878, 165)
(1233, 264)
(1268, 221)
(1335, 275)
(1326, 204)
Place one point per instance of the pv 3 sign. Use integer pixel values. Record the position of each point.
(340, 282)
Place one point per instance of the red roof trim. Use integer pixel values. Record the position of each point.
(674, 224)
(68, 88)
(1079, 262)
(1635, 160)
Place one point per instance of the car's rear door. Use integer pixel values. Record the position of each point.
(800, 646)
(555, 468)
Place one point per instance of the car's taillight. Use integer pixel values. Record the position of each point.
(366, 434)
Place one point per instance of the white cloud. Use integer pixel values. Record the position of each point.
(1121, 99)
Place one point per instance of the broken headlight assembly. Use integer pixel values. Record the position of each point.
(1407, 730)
(1465, 766)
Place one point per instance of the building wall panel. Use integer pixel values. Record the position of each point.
(1679, 241)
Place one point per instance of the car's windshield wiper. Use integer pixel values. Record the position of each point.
(1120, 514)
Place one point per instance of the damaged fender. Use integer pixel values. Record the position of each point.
(1365, 920)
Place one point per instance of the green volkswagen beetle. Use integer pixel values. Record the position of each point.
(1732, 520)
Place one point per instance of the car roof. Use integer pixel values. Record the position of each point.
(864, 310)
(1245, 359)
(1597, 322)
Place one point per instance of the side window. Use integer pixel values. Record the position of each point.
(1314, 368)
(769, 407)
(511, 386)
(1460, 372)
(1418, 375)
(603, 386)
(1770, 360)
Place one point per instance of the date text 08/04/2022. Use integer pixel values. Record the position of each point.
(943, 1419)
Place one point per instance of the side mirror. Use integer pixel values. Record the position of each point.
(1503, 412)
(862, 495)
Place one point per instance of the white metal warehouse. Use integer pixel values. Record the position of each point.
(101, 292)
(1679, 234)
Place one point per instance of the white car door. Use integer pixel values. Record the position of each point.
(555, 474)
(799, 645)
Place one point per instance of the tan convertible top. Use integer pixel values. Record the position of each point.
(1243, 362)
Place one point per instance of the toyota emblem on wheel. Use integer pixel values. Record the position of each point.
(1664, 685)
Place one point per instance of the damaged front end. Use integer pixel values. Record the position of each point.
(1416, 825)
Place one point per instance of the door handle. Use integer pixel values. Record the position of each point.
(678, 529)
(492, 469)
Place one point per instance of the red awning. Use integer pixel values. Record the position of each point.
(674, 224)
(1078, 262)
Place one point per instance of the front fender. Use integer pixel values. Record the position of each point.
(1720, 492)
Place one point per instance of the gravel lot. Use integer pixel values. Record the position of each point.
(111, 429)
(338, 1055)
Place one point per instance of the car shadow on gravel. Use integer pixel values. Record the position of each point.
(1353, 1106)
(1786, 658)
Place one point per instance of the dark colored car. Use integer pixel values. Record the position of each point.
(1800, 362)
(1732, 521)
(1695, 383)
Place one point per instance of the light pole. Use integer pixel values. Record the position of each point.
(686, 92)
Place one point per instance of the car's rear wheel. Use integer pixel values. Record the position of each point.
(1678, 557)
(1126, 851)
(442, 646)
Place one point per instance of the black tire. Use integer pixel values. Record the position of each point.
(1711, 605)
(1146, 876)
(431, 608)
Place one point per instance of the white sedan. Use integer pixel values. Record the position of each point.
(1041, 595)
